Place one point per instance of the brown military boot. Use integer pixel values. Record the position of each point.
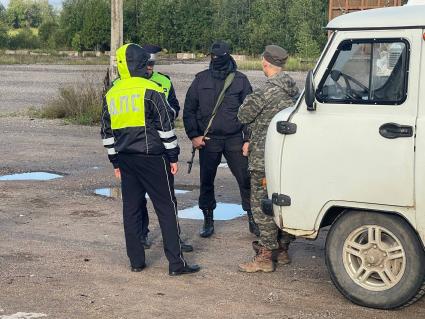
(283, 257)
(261, 262)
(279, 255)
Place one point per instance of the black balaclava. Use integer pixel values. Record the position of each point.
(222, 62)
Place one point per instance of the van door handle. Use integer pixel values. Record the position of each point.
(394, 130)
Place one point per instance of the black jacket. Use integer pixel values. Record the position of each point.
(153, 136)
(200, 101)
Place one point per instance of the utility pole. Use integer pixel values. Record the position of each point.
(117, 28)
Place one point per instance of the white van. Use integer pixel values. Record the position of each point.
(351, 155)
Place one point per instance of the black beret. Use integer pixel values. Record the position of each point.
(275, 55)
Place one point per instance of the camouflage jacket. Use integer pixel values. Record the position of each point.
(258, 109)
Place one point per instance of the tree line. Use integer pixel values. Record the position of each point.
(176, 25)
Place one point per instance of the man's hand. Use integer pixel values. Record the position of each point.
(245, 149)
(117, 173)
(174, 168)
(198, 142)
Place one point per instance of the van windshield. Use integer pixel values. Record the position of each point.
(368, 72)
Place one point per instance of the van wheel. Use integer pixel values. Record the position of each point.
(376, 260)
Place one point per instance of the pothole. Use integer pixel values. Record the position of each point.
(223, 211)
(31, 176)
(115, 192)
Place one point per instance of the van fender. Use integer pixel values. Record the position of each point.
(339, 207)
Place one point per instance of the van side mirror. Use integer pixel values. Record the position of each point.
(310, 98)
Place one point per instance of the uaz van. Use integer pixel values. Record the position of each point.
(351, 155)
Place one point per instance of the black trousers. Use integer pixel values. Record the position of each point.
(210, 158)
(145, 217)
(141, 174)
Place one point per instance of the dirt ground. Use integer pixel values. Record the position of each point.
(62, 250)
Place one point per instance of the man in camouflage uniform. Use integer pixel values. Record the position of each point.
(258, 109)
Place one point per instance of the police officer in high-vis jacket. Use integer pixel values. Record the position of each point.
(167, 87)
(162, 79)
(138, 132)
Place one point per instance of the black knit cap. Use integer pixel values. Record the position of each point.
(220, 48)
(275, 55)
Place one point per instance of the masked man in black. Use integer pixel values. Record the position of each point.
(225, 135)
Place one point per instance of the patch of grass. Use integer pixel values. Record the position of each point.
(52, 59)
(250, 65)
(78, 105)
(13, 32)
(293, 64)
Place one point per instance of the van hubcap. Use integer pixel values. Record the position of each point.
(374, 258)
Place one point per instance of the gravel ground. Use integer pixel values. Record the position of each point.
(62, 251)
(24, 86)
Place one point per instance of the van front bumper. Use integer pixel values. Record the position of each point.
(267, 207)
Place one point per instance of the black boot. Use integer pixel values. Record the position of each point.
(253, 227)
(208, 228)
(186, 248)
(146, 242)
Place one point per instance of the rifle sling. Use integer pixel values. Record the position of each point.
(227, 83)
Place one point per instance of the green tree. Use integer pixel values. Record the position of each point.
(2, 14)
(90, 19)
(76, 42)
(307, 19)
(47, 34)
(32, 15)
(191, 25)
(71, 19)
(16, 13)
(4, 38)
(306, 46)
(28, 13)
(132, 12)
(96, 30)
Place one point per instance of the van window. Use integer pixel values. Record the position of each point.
(366, 72)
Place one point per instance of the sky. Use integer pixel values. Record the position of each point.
(55, 3)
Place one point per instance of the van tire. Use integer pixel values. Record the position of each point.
(377, 291)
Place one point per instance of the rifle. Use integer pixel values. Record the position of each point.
(106, 83)
(190, 163)
(220, 99)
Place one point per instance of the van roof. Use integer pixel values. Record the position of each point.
(408, 16)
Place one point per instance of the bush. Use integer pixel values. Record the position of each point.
(4, 38)
(79, 104)
(24, 39)
(47, 34)
(76, 43)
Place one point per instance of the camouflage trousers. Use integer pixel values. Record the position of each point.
(270, 234)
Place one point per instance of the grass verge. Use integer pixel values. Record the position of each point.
(52, 59)
(77, 105)
(293, 64)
